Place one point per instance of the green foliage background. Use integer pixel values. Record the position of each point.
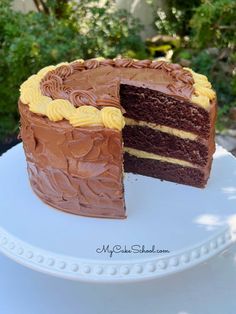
(31, 41)
(207, 33)
(68, 30)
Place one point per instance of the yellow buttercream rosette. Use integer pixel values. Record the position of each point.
(86, 116)
(203, 92)
(112, 118)
(59, 109)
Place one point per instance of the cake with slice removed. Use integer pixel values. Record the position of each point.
(83, 122)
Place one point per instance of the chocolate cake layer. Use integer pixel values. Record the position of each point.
(78, 170)
(166, 171)
(153, 106)
(154, 141)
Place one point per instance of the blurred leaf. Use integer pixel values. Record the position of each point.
(67, 30)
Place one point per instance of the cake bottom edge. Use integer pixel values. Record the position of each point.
(83, 212)
(165, 171)
(71, 204)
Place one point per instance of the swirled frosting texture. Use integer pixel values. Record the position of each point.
(78, 170)
(59, 102)
(96, 82)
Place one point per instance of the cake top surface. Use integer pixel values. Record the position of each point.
(87, 92)
(101, 80)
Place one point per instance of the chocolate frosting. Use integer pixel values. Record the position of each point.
(96, 83)
(78, 170)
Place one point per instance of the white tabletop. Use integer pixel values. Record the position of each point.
(209, 288)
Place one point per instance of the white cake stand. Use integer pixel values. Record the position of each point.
(189, 224)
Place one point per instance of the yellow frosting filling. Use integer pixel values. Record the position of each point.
(60, 109)
(143, 154)
(203, 92)
(162, 128)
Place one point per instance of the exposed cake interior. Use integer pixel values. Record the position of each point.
(166, 137)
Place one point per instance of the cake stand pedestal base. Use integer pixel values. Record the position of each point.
(169, 227)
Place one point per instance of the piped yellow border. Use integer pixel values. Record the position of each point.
(59, 109)
(109, 117)
(203, 92)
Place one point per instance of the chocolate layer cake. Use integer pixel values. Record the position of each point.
(80, 120)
